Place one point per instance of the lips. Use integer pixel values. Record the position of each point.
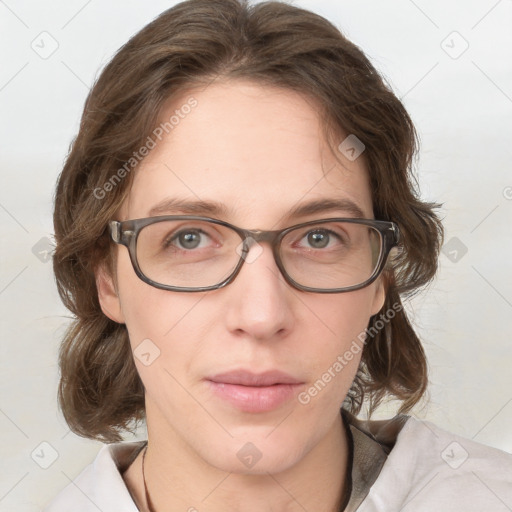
(247, 378)
(254, 393)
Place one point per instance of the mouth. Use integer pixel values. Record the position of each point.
(255, 393)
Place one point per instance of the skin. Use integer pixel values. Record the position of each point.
(259, 151)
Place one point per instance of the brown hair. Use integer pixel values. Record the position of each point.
(195, 42)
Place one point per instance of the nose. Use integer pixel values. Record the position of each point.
(259, 300)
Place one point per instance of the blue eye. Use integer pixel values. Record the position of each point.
(318, 239)
(188, 239)
(321, 238)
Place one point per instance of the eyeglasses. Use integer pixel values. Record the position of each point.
(187, 253)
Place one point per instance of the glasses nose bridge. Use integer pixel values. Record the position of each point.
(260, 236)
(257, 236)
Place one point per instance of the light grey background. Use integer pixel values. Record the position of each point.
(461, 102)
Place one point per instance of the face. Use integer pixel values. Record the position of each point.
(258, 152)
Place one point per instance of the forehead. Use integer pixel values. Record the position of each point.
(256, 151)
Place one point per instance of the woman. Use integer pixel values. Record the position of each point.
(236, 228)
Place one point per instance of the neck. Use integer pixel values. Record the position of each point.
(178, 479)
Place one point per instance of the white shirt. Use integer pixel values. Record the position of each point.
(402, 464)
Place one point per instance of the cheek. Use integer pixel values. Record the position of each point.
(341, 317)
(156, 318)
(334, 345)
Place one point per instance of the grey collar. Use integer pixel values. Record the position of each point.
(370, 442)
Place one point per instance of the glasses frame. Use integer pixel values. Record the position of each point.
(126, 233)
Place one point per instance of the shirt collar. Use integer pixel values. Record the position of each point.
(370, 442)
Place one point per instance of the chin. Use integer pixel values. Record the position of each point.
(258, 454)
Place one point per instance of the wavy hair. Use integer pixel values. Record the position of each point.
(195, 42)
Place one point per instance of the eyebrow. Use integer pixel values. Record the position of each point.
(214, 208)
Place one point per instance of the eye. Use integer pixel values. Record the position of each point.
(321, 238)
(318, 239)
(188, 239)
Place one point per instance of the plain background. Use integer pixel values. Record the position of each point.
(449, 62)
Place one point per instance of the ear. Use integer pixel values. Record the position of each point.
(108, 295)
(379, 296)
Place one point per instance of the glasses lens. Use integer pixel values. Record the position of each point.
(188, 253)
(331, 255)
